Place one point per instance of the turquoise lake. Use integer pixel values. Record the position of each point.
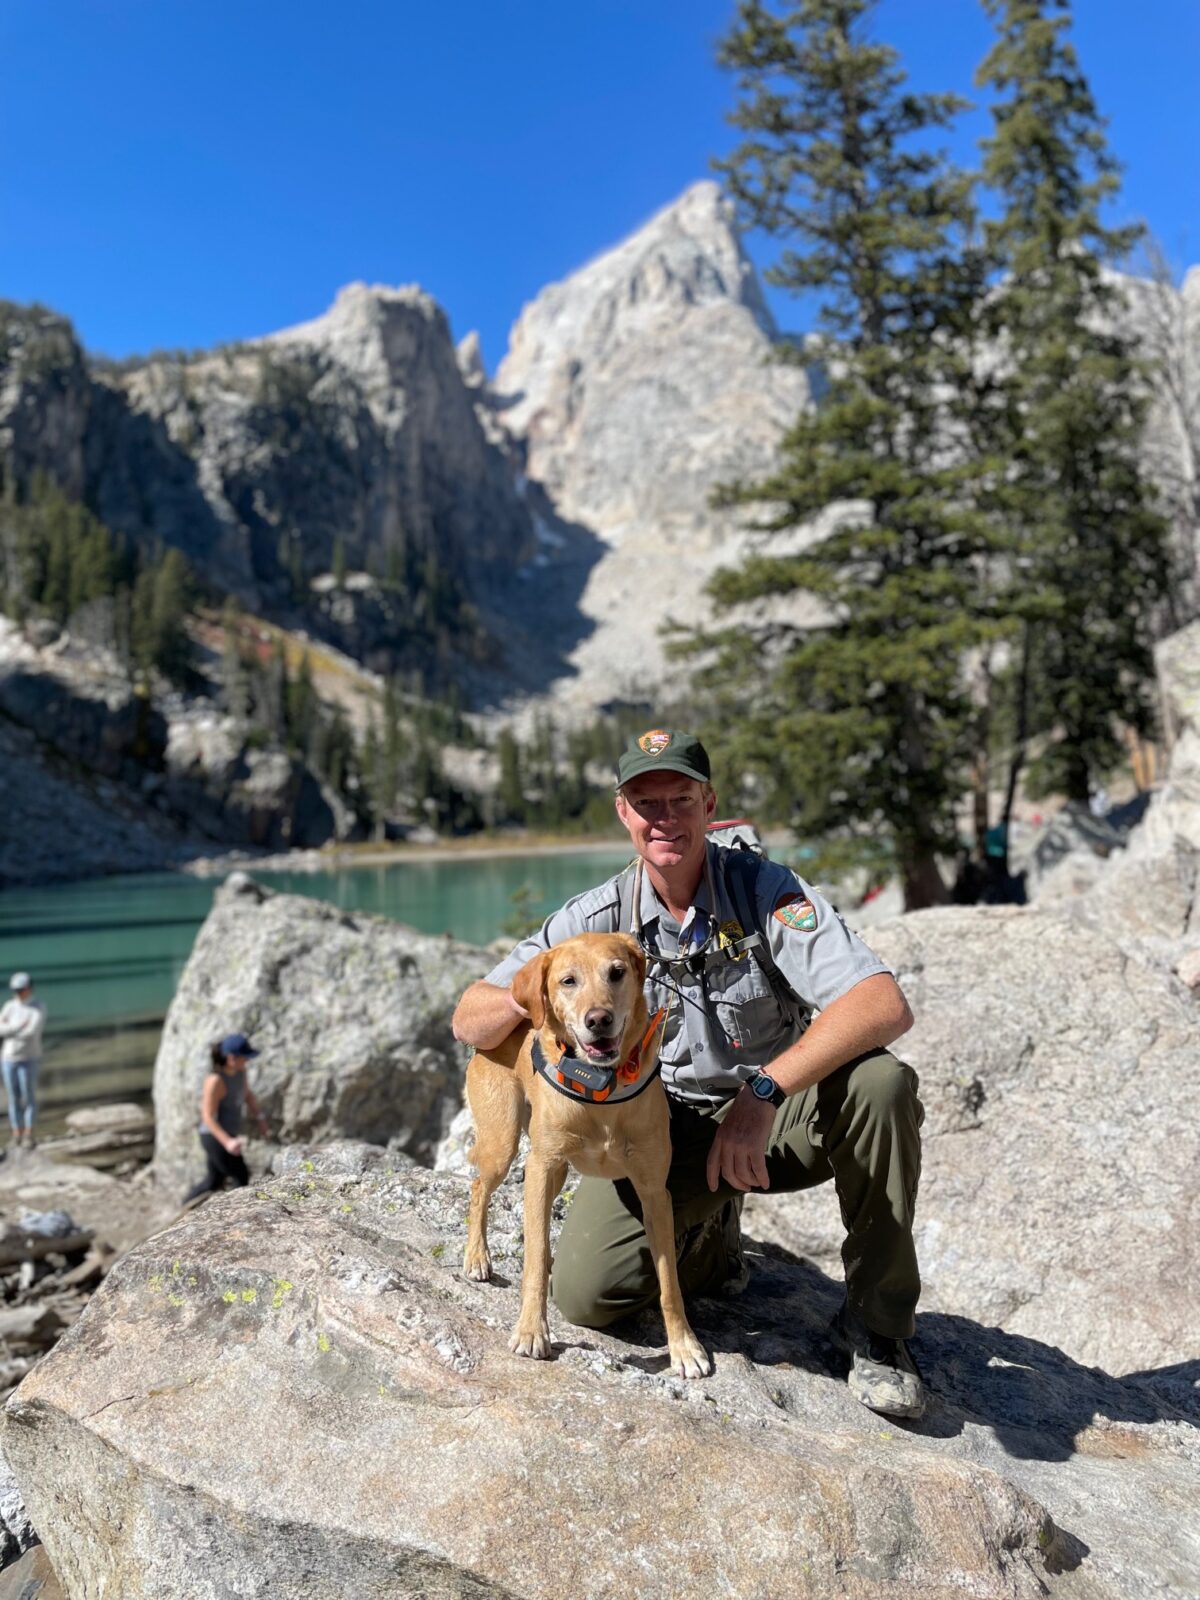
(106, 954)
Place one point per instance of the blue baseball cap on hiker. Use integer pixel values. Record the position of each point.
(237, 1044)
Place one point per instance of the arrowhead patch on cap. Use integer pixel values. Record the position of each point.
(655, 741)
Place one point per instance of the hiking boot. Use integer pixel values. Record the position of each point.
(883, 1375)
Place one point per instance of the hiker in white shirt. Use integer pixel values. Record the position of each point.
(21, 1022)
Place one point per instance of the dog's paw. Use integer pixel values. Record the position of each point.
(689, 1359)
(477, 1264)
(535, 1343)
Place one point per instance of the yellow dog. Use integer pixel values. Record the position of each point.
(582, 1077)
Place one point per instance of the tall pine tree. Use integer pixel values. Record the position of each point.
(859, 727)
(1091, 554)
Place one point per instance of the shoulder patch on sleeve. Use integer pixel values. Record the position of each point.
(796, 911)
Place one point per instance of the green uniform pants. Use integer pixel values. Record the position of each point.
(859, 1126)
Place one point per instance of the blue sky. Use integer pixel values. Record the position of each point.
(173, 174)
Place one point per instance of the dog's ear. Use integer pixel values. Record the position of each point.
(636, 954)
(529, 988)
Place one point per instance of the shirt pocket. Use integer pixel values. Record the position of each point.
(746, 1010)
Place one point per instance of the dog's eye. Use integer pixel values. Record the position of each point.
(615, 974)
(568, 981)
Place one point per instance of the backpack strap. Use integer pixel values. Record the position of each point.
(739, 868)
(625, 885)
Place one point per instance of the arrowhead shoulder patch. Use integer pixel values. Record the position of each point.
(796, 911)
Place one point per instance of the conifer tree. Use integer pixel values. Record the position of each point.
(303, 710)
(235, 683)
(172, 651)
(510, 792)
(1092, 560)
(857, 729)
(273, 694)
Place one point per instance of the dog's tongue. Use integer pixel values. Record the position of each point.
(601, 1047)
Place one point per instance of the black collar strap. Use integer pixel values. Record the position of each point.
(582, 1082)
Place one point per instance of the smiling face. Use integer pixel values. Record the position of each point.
(587, 989)
(665, 814)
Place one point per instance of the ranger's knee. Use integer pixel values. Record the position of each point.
(887, 1087)
(580, 1300)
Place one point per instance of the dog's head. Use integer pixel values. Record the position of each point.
(588, 990)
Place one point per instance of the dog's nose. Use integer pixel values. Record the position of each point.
(598, 1020)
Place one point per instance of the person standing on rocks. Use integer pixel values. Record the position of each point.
(22, 1020)
(763, 1093)
(222, 1099)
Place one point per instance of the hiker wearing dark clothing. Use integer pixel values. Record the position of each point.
(223, 1099)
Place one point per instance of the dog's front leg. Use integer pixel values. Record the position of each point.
(688, 1356)
(543, 1180)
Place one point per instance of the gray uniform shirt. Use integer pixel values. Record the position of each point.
(727, 1021)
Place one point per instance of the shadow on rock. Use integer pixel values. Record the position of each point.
(1037, 1402)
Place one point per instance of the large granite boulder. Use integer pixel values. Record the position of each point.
(295, 1393)
(351, 1014)
(1144, 895)
(1062, 1136)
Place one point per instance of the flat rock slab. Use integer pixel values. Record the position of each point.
(31, 1578)
(294, 1393)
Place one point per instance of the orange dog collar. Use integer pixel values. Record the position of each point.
(581, 1081)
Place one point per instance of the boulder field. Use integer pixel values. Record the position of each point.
(294, 1393)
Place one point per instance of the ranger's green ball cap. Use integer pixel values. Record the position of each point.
(664, 750)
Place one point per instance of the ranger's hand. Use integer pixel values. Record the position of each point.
(739, 1150)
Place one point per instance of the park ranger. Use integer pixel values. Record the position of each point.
(775, 1064)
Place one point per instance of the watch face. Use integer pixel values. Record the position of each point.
(763, 1086)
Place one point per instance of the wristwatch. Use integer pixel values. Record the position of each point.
(763, 1087)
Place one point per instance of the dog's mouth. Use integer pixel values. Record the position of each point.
(600, 1051)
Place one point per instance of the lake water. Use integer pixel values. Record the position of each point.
(106, 954)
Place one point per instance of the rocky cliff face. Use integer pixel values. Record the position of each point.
(575, 487)
(632, 389)
(136, 782)
(353, 432)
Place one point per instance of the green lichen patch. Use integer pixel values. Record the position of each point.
(176, 1300)
(279, 1288)
(249, 1296)
(230, 1297)
(323, 1344)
